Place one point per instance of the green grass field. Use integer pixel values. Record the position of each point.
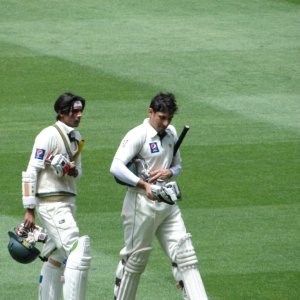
(235, 69)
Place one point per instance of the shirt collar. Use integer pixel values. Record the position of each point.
(65, 127)
(152, 132)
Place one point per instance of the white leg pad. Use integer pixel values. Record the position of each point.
(76, 271)
(187, 261)
(51, 282)
(133, 269)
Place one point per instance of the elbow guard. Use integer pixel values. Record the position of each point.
(28, 189)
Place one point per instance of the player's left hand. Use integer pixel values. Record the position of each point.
(72, 170)
(161, 174)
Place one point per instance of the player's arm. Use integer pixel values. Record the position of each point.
(75, 169)
(165, 174)
(128, 149)
(29, 181)
(147, 187)
(176, 166)
(119, 169)
(76, 166)
(29, 178)
(29, 218)
(161, 173)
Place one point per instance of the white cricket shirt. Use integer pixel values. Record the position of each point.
(50, 141)
(143, 141)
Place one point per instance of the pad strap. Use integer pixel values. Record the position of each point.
(65, 142)
(80, 144)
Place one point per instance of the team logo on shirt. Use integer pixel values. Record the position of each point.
(153, 147)
(124, 143)
(39, 153)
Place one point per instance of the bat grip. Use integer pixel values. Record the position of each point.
(180, 139)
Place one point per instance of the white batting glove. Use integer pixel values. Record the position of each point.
(169, 193)
(155, 189)
(60, 164)
(173, 190)
(31, 235)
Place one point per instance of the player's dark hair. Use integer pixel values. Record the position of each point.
(64, 103)
(164, 102)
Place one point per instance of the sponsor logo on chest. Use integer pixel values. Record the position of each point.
(154, 147)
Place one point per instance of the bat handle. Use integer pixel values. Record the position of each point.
(180, 139)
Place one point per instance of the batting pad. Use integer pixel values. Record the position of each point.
(51, 282)
(76, 271)
(187, 265)
(134, 267)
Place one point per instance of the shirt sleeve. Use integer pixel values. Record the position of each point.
(129, 147)
(44, 144)
(120, 170)
(176, 170)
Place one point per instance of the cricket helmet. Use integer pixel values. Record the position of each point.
(20, 250)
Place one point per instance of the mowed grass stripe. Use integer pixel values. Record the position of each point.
(240, 175)
(224, 54)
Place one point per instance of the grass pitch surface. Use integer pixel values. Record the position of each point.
(234, 67)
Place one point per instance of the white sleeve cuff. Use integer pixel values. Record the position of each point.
(29, 202)
(176, 170)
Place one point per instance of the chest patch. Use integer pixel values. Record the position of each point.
(153, 147)
(39, 153)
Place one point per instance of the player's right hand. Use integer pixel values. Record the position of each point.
(29, 218)
(160, 174)
(147, 187)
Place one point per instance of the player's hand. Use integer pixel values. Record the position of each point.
(147, 187)
(72, 170)
(161, 174)
(59, 163)
(29, 218)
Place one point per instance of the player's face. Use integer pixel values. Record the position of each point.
(159, 120)
(73, 118)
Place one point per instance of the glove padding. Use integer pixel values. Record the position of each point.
(169, 193)
(59, 163)
(31, 235)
